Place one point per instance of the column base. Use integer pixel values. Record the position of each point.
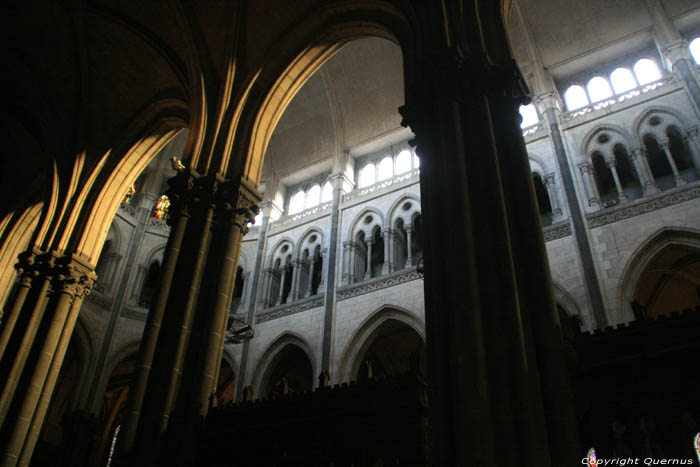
(651, 189)
(680, 181)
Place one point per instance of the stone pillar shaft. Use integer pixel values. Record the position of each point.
(409, 250)
(677, 177)
(613, 169)
(369, 243)
(387, 266)
(639, 159)
(552, 192)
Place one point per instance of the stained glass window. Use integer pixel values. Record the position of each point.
(592, 458)
(162, 208)
(129, 196)
(697, 445)
(113, 445)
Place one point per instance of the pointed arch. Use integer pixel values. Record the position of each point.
(358, 224)
(269, 358)
(643, 255)
(642, 128)
(306, 236)
(289, 68)
(365, 333)
(407, 216)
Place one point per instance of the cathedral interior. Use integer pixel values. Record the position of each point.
(349, 232)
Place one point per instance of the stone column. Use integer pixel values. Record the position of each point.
(387, 267)
(324, 271)
(494, 348)
(330, 276)
(677, 177)
(283, 277)
(610, 162)
(176, 274)
(369, 242)
(346, 263)
(70, 278)
(297, 271)
(409, 251)
(641, 164)
(265, 295)
(351, 263)
(312, 262)
(549, 184)
(15, 352)
(586, 170)
(693, 143)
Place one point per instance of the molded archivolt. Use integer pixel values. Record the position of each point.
(397, 211)
(645, 254)
(270, 357)
(358, 224)
(618, 135)
(305, 242)
(14, 239)
(278, 253)
(538, 166)
(670, 118)
(364, 337)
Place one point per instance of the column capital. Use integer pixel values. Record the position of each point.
(387, 231)
(585, 168)
(237, 202)
(664, 143)
(72, 276)
(549, 100)
(408, 227)
(548, 179)
(451, 75)
(692, 131)
(610, 161)
(369, 241)
(637, 150)
(677, 50)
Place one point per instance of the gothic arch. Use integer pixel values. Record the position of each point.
(408, 216)
(268, 359)
(365, 332)
(368, 229)
(276, 250)
(641, 257)
(306, 235)
(537, 165)
(621, 136)
(16, 234)
(641, 127)
(93, 210)
(566, 301)
(312, 41)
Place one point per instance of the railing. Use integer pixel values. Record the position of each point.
(532, 129)
(383, 184)
(285, 220)
(668, 79)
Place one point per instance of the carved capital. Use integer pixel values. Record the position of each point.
(549, 179)
(585, 168)
(449, 74)
(664, 144)
(72, 277)
(610, 162)
(238, 202)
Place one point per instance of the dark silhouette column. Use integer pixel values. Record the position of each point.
(491, 332)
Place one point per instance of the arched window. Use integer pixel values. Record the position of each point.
(162, 208)
(327, 193)
(695, 49)
(622, 80)
(385, 169)
(403, 162)
(575, 97)
(529, 115)
(296, 204)
(646, 71)
(366, 177)
(313, 196)
(599, 89)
